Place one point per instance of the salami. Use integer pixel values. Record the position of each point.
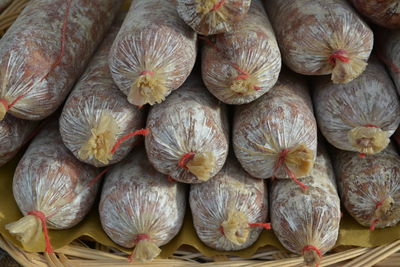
(361, 115)
(319, 37)
(208, 17)
(389, 52)
(139, 207)
(153, 53)
(14, 133)
(188, 137)
(97, 113)
(276, 135)
(45, 51)
(250, 63)
(308, 223)
(370, 187)
(385, 13)
(52, 189)
(229, 209)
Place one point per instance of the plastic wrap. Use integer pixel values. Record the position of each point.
(52, 189)
(359, 116)
(308, 224)
(97, 113)
(245, 63)
(189, 134)
(227, 209)
(208, 17)
(370, 187)
(45, 51)
(320, 37)
(154, 52)
(139, 207)
(14, 133)
(390, 53)
(382, 12)
(276, 135)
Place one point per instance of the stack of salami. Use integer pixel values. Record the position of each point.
(216, 133)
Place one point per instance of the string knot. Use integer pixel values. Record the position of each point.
(218, 5)
(338, 55)
(281, 162)
(40, 215)
(309, 259)
(184, 160)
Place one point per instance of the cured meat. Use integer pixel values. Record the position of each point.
(382, 12)
(250, 63)
(370, 187)
(52, 189)
(45, 51)
(14, 133)
(97, 113)
(320, 37)
(359, 116)
(389, 51)
(229, 209)
(276, 135)
(212, 16)
(188, 137)
(307, 223)
(140, 208)
(154, 52)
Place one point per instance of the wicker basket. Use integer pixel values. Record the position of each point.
(89, 253)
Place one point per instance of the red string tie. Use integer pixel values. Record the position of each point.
(373, 224)
(310, 247)
(143, 132)
(9, 106)
(184, 160)
(266, 226)
(280, 162)
(149, 72)
(339, 54)
(218, 5)
(40, 215)
(139, 237)
(170, 179)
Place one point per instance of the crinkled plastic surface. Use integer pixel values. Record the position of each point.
(319, 37)
(244, 63)
(97, 113)
(208, 17)
(153, 53)
(40, 59)
(231, 193)
(138, 200)
(302, 219)
(191, 120)
(366, 183)
(281, 120)
(369, 101)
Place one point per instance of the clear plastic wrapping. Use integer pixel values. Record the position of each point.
(359, 116)
(140, 207)
(308, 223)
(319, 37)
(189, 134)
(97, 114)
(276, 135)
(153, 53)
(208, 17)
(244, 63)
(45, 51)
(224, 207)
(370, 187)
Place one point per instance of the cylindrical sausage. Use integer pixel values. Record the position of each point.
(245, 63)
(154, 52)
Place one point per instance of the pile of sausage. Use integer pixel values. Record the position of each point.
(83, 84)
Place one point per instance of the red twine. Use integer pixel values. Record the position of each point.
(281, 161)
(170, 179)
(143, 132)
(40, 215)
(184, 160)
(139, 237)
(149, 72)
(218, 5)
(339, 54)
(373, 224)
(9, 106)
(310, 247)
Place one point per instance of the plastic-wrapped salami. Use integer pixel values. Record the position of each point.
(276, 135)
(389, 52)
(153, 53)
(245, 63)
(208, 17)
(382, 12)
(361, 115)
(308, 223)
(189, 136)
(139, 207)
(97, 114)
(320, 37)
(52, 188)
(45, 51)
(370, 187)
(14, 133)
(230, 209)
